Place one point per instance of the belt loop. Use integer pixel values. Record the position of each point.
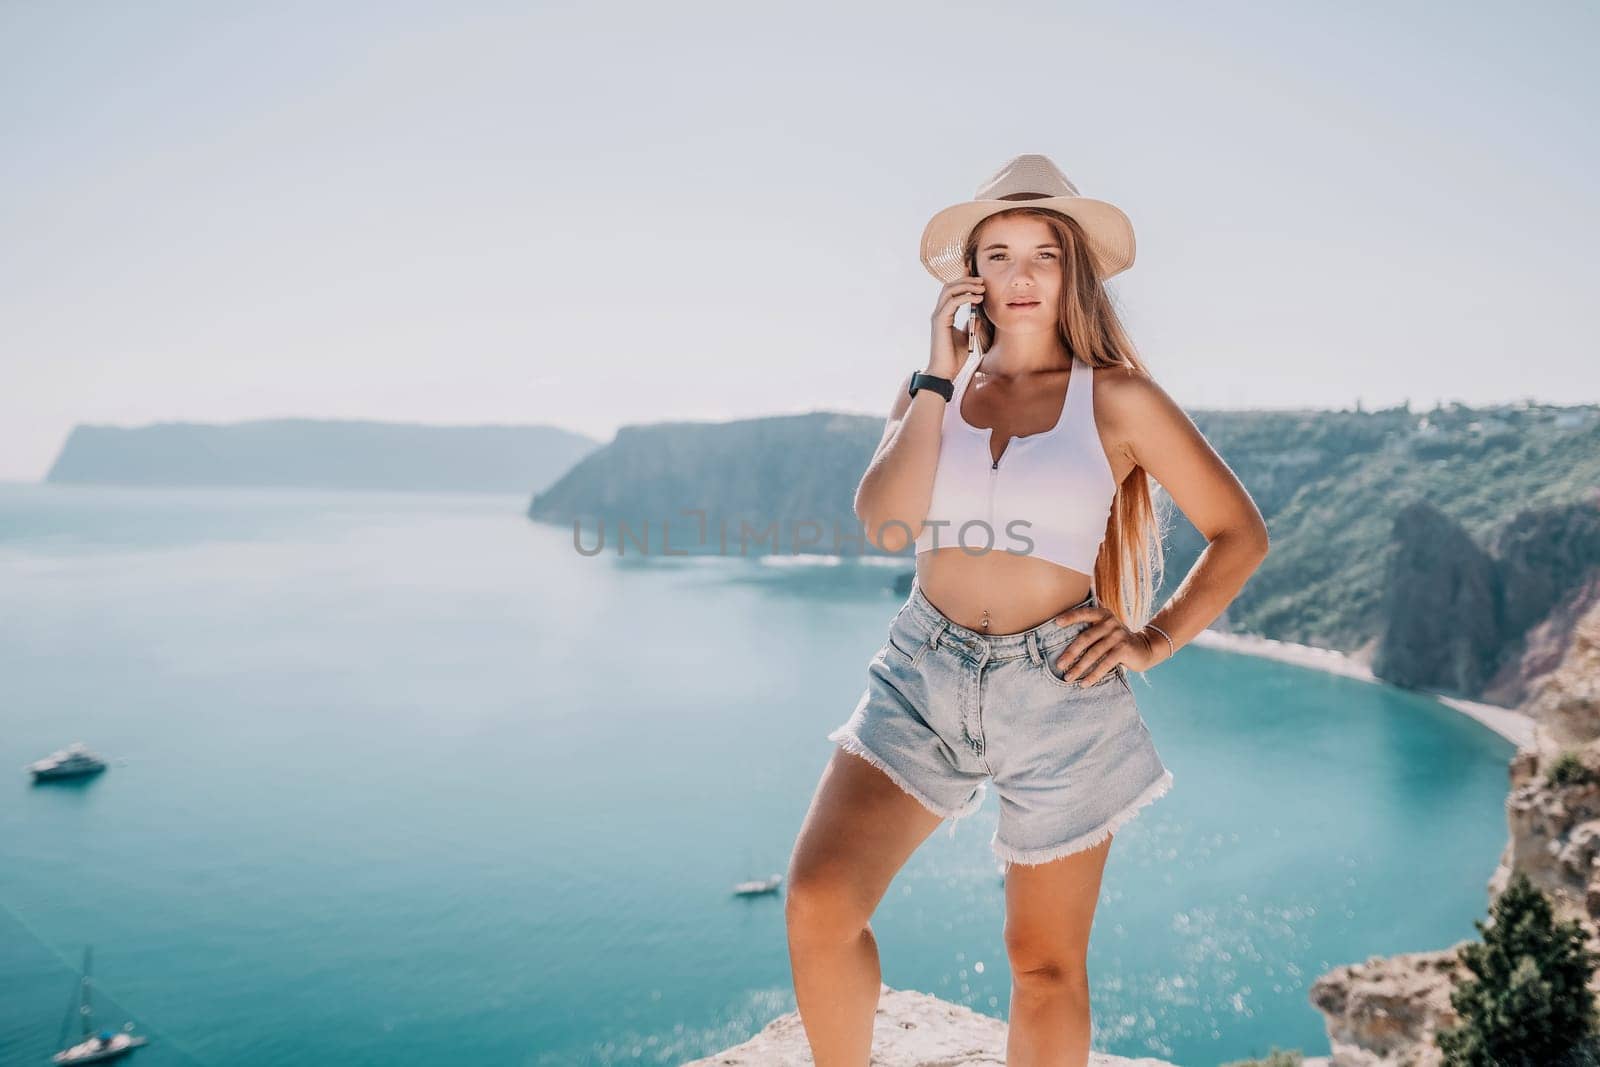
(1033, 648)
(938, 632)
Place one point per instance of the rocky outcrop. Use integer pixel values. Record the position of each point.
(1440, 605)
(1555, 830)
(912, 1029)
(1539, 555)
(1553, 811)
(1384, 1012)
(1560, 670)
(1486, 624)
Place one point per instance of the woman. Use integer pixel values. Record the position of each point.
(1023, 476)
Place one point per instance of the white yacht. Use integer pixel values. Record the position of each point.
(71, 762)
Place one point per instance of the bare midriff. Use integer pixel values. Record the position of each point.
(997, 592)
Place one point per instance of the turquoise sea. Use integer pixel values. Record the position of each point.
(405, 779)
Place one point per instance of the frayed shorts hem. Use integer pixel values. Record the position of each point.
(853, 745)
(1034, 856)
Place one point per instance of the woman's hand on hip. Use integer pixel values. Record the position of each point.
(1103, 644)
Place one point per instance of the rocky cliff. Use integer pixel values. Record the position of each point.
(1385, 1011)
(1487, 623)
(1553, 811)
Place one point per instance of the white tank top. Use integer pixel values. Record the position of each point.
(1053, 488)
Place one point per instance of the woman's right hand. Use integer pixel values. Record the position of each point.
(950, 344)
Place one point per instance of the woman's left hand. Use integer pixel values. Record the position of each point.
(1092, 654)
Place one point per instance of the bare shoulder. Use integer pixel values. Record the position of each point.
(1123, 387)
(1127, 402)
(1153, 431)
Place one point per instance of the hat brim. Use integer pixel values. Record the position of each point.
(1110, 234)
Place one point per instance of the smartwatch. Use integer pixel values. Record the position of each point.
(943, 386)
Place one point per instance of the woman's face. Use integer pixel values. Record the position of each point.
(1019, 260)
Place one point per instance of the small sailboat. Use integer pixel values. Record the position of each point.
(74, 761)
(758, 886)
(92, 1047)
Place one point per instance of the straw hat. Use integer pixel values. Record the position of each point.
(1036, 182)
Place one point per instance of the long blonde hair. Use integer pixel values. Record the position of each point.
(1128, 569)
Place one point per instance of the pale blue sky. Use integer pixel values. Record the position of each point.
(594, 215)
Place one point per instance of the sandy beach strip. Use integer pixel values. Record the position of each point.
(1509, 723)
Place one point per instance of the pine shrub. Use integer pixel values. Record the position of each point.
(1527, 1003)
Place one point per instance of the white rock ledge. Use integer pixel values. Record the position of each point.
(912, 1030)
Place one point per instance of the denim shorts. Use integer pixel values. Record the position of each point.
(947, 709)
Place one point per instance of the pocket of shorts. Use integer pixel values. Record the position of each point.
(897, 642)
(1050, 670)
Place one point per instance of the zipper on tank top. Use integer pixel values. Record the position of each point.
(994, 465)
(994, 473)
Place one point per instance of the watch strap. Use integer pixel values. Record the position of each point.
(945, 387)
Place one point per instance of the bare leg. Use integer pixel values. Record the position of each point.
(858, 833)
(1049, 911)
